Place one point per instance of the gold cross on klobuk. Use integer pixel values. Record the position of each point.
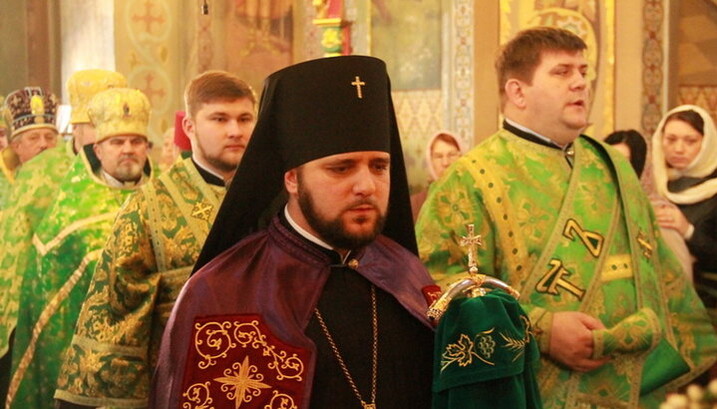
(358, 83)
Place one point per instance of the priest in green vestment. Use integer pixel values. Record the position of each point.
(30, 113)
(34, 190)
(154, 243)
(69, 239)
(565, 222)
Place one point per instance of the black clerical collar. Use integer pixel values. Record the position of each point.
(528, 135)
(335, 257)
(208, 177)
(568, 150)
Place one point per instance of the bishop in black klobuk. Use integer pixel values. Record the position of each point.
(287, 313)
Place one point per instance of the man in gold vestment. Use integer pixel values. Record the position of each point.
(155, 242)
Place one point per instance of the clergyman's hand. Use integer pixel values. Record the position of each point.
(571, 340)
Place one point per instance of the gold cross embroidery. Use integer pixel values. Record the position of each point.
(645, 245)
(242, 382)
(472, 241)
(202, 211)
(358, 83)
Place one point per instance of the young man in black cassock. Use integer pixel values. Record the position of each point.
(325, 308)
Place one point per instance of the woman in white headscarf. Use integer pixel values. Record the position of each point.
(441, 151)
(684, 162)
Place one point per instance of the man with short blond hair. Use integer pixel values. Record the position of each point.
(153, 246)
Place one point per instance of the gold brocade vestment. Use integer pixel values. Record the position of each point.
(155, 242)
(577, 237)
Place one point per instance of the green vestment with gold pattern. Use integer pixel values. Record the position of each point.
(7, 179)
(154, 244)
(35, 188)
(66, 247)
(574, 238)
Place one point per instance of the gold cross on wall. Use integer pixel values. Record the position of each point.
(358, 83)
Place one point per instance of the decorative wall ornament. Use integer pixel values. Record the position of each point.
(652, 65)
(336, 35)
(458, 68)
(704, 96)
(144, 29)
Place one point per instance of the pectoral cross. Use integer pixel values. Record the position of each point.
(472, 241)
(358, 83)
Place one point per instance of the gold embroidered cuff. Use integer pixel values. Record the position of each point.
(542, 322)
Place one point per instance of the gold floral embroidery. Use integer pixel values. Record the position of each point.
(453, 206)
(198, 395)
(281, 401)
(465, 349)
(213, 340)
(483, 346)
(518, 345)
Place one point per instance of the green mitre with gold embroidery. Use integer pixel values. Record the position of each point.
(546, 235)
(151, 250)
(66, 246)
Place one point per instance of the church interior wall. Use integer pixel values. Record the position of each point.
(30, 51)
(695, 79)
(160, 44)
(628, 65)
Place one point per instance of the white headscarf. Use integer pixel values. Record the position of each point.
(703, 165)
(429, 162)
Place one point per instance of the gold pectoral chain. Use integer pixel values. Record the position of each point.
(342, 364)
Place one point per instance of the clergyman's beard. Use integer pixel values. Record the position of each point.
(333, 231)
(128, 171)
